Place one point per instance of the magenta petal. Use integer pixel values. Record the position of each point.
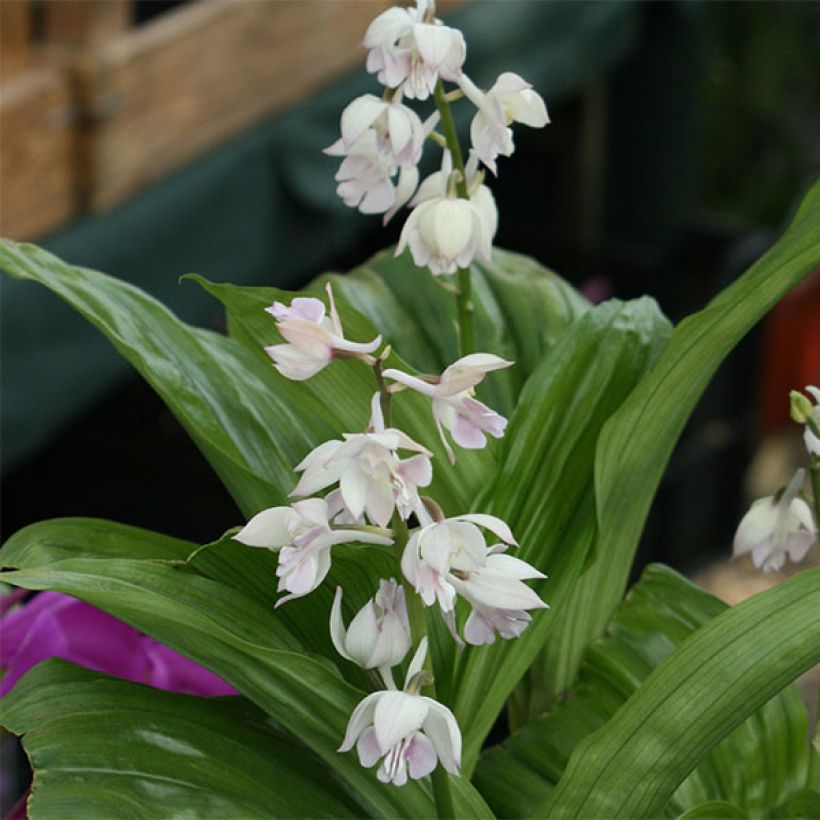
(169, 670)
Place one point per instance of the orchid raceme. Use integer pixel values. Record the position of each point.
(313, 338)
(372, 479)
(777, 527)
(407, 731)
(447, 558)
(303, 537)
(409, 50)
(511, 99)
(379, 635)
(454, 407)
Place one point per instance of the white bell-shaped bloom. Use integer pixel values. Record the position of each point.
(774, 528)
(379, 634)
(408, 732)
(373, 480)
(454, 407)
(303, 537)
(409, 50)
(313, 338)
(511, 99)
(449, 558)
(445, 232)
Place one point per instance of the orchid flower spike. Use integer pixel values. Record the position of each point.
(303, 537)
(379, 634)
(454, 408)
(313, 339)
(372, 478)
(511, 99)
(445, 232)
(409, 50)
(407, 731)
(449, 558)
(776, 527)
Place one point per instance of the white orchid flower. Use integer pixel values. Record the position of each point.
(449, 558)
(303, 537)
(379, 634)
(408, 732)
(454, 408)
(511, 99)
(313, 339)
(409, 50)
(373, 480)
(774, 528)
(445, 232)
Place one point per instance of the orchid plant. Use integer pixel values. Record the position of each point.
(415, 567)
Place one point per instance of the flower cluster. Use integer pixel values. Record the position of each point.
(453, 217)
(781, 526)
(365, 488)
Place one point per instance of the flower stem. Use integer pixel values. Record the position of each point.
(464, 297)
(815, 486)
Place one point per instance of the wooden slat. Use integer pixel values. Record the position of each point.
(166, 92)
(83, 22)
(15, 36)
(36, 172)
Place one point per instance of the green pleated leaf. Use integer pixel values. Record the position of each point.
(225, 629)
(637, 442)
(759, 766)
(251, 433)
(544, 486)
(723, 673)
(103, 748)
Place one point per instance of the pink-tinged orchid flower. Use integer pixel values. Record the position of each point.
(408, 732)
(379, 634)
(449, 558)
(303, 537)
(313, 339)
(511, 99)
(372, 479)
(776, 527)
(445, 232)
(54, 625)
(454, 407)
(409, 50)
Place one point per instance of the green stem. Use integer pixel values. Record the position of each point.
(464, 297)
(443, 793)
(815, 486)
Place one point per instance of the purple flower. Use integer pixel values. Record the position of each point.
(53, 625)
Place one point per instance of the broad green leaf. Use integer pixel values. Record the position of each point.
(251, 434)
(103, 748)
(757, 767)
(229, 632)
(723, 673)
(544, 487)
(637, 442)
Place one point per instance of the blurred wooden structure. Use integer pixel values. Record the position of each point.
(94, 108)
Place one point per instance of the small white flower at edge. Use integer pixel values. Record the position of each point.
(408, 732)
(511, 99)
(450, 557)
(445, 232)
(775, 528)
(454, 407)
(372, 479)
(810, 435)
(409, 52)
(313, 339)
(379, 634)
(303, 537)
